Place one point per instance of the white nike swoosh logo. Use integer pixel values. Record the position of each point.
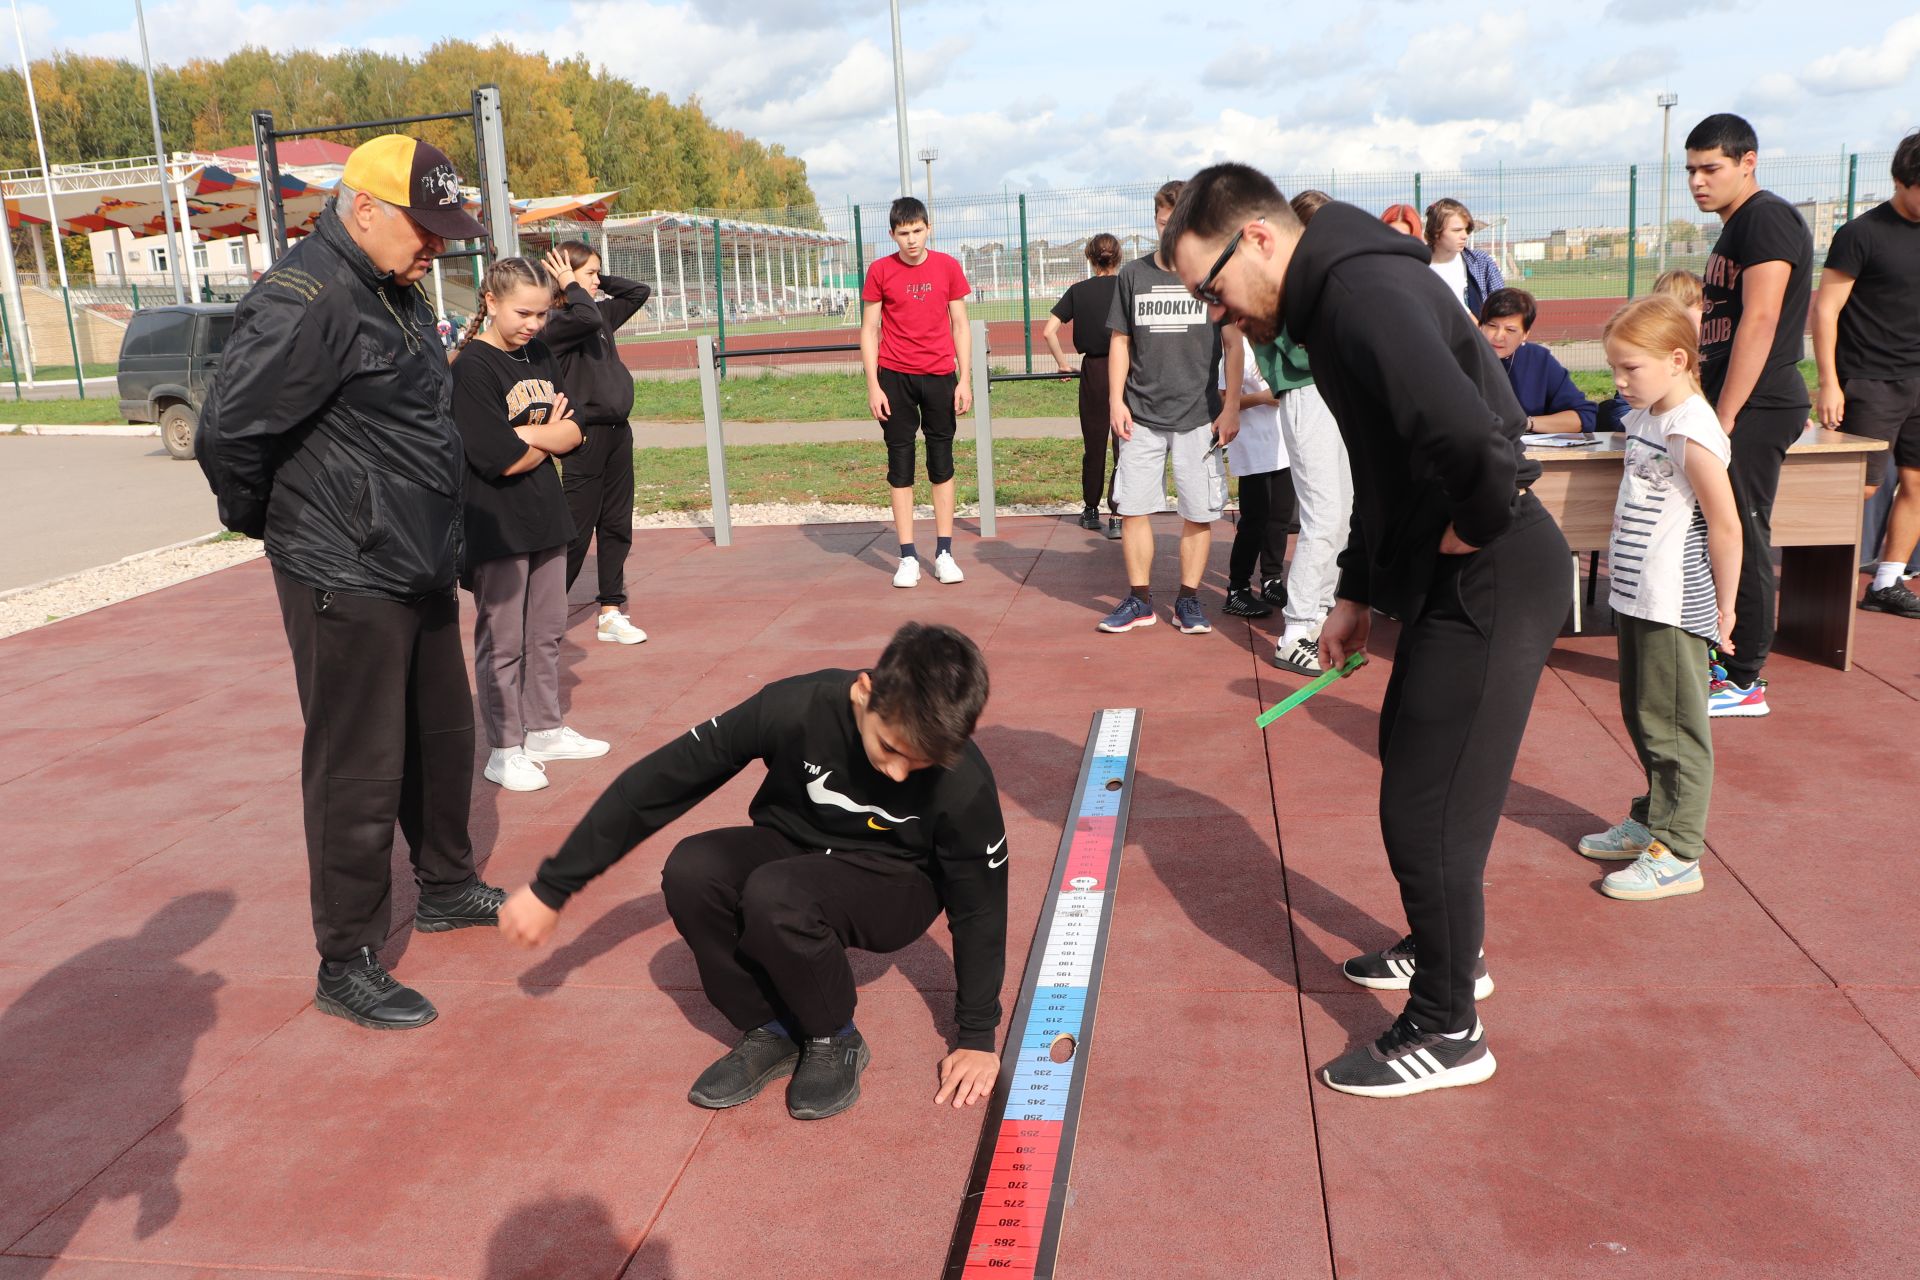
(994, 848)
(821, 794)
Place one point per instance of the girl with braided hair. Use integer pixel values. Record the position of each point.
(513, 418)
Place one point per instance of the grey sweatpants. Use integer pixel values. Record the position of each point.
(1323, 484)
(519, 615)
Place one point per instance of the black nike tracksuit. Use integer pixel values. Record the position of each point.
(838, 855)
(1432, 430)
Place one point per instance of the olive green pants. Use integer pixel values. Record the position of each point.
(1663, 699)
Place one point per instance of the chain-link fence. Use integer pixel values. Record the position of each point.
(1582, 239)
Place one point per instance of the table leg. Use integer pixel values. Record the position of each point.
(1816, 604)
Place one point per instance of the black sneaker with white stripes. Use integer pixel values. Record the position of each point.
(1407, 1060)
(1392, 970)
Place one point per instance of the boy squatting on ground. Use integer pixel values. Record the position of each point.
(877, 811)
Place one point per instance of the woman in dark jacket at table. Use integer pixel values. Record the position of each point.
(597, 476)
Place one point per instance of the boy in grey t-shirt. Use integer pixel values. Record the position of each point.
(1165, 403)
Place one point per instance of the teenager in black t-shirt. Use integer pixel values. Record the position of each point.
(513, 418)
(1758, 280)
(877, 812)
(1866, 340)
(1085, 305)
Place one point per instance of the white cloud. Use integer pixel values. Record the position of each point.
(1241, 68)
(1461, 68)
(181, 30)
(1650, 11)
(1880, 66)
(1639, 66)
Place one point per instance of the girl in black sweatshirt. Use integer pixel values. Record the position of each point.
(598, 476)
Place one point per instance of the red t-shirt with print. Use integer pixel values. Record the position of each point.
(915, 332)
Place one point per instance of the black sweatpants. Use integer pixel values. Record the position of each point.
(389, 737)
(1096, 430)
(597, 478)
(1268, 511)
(1760, 441)
(1464, 676)
(769, 923)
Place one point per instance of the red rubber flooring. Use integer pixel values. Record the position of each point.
(1719, 1085)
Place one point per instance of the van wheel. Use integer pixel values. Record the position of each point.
(176, 430)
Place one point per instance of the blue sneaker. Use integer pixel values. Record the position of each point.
(1190, 617)
(1133, 612)
(1726, 699)
(1657, 873)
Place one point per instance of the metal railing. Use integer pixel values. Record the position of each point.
(712, 356)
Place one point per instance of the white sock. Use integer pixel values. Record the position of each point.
(1456, 1035)
(1886, 573)
(1294, 632)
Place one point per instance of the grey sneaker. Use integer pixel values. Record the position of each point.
(761, 1057)
(1656, 873)
(1617, 844)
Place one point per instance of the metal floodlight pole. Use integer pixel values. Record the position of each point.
(927, 156)
(899, 100)
(159, 155)
(1667, 102)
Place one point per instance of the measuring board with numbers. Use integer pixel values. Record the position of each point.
(1017, 1193)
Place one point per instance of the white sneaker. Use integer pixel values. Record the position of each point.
(563, 744)
(908, 574)
(510, 767)
(946, 570)
(616, 628)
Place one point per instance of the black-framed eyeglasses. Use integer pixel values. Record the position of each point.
(1204, 290)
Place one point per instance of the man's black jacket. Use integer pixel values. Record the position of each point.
(1429, 417)
(329, 431)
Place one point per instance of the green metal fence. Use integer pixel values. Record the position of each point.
(1571, 234)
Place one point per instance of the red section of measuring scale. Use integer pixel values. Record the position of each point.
(1088, 858)
(1013, 1207)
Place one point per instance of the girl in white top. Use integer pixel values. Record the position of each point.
(1259, 458)
(1674, 557)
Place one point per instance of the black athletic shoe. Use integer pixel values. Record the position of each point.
(361, 990)
(1242, 603)
(761, 1057)
(1392, 970)
(1274, 592)
(477, 904)
(1408, 1060)
(1090, 519)
(1895, 599)
(1113, 528)
(827, 1081)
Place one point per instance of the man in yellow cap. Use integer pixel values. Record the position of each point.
(330, 434)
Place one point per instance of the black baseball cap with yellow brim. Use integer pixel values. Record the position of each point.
(417, 177)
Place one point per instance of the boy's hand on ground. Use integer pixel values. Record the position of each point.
(967, 1076)
(525, 920)
(877, 404)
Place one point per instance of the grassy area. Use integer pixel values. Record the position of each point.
(105, 373)
(1025, 471)
(59, 412)
(823, 397)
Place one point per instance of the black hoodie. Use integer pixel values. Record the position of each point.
(1428, 415)
(580, 334)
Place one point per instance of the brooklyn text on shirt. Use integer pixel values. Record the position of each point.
(1168, 309)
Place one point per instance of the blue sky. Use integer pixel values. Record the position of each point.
(1039, 96)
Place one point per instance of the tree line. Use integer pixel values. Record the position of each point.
(570, 127)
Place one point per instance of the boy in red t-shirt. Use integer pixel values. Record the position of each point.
(917, 353)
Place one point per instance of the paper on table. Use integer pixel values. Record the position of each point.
(1574, 440)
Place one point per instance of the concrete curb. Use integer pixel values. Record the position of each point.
(10, 592)
(80, 429)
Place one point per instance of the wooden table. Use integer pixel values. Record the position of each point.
(1816, 527)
